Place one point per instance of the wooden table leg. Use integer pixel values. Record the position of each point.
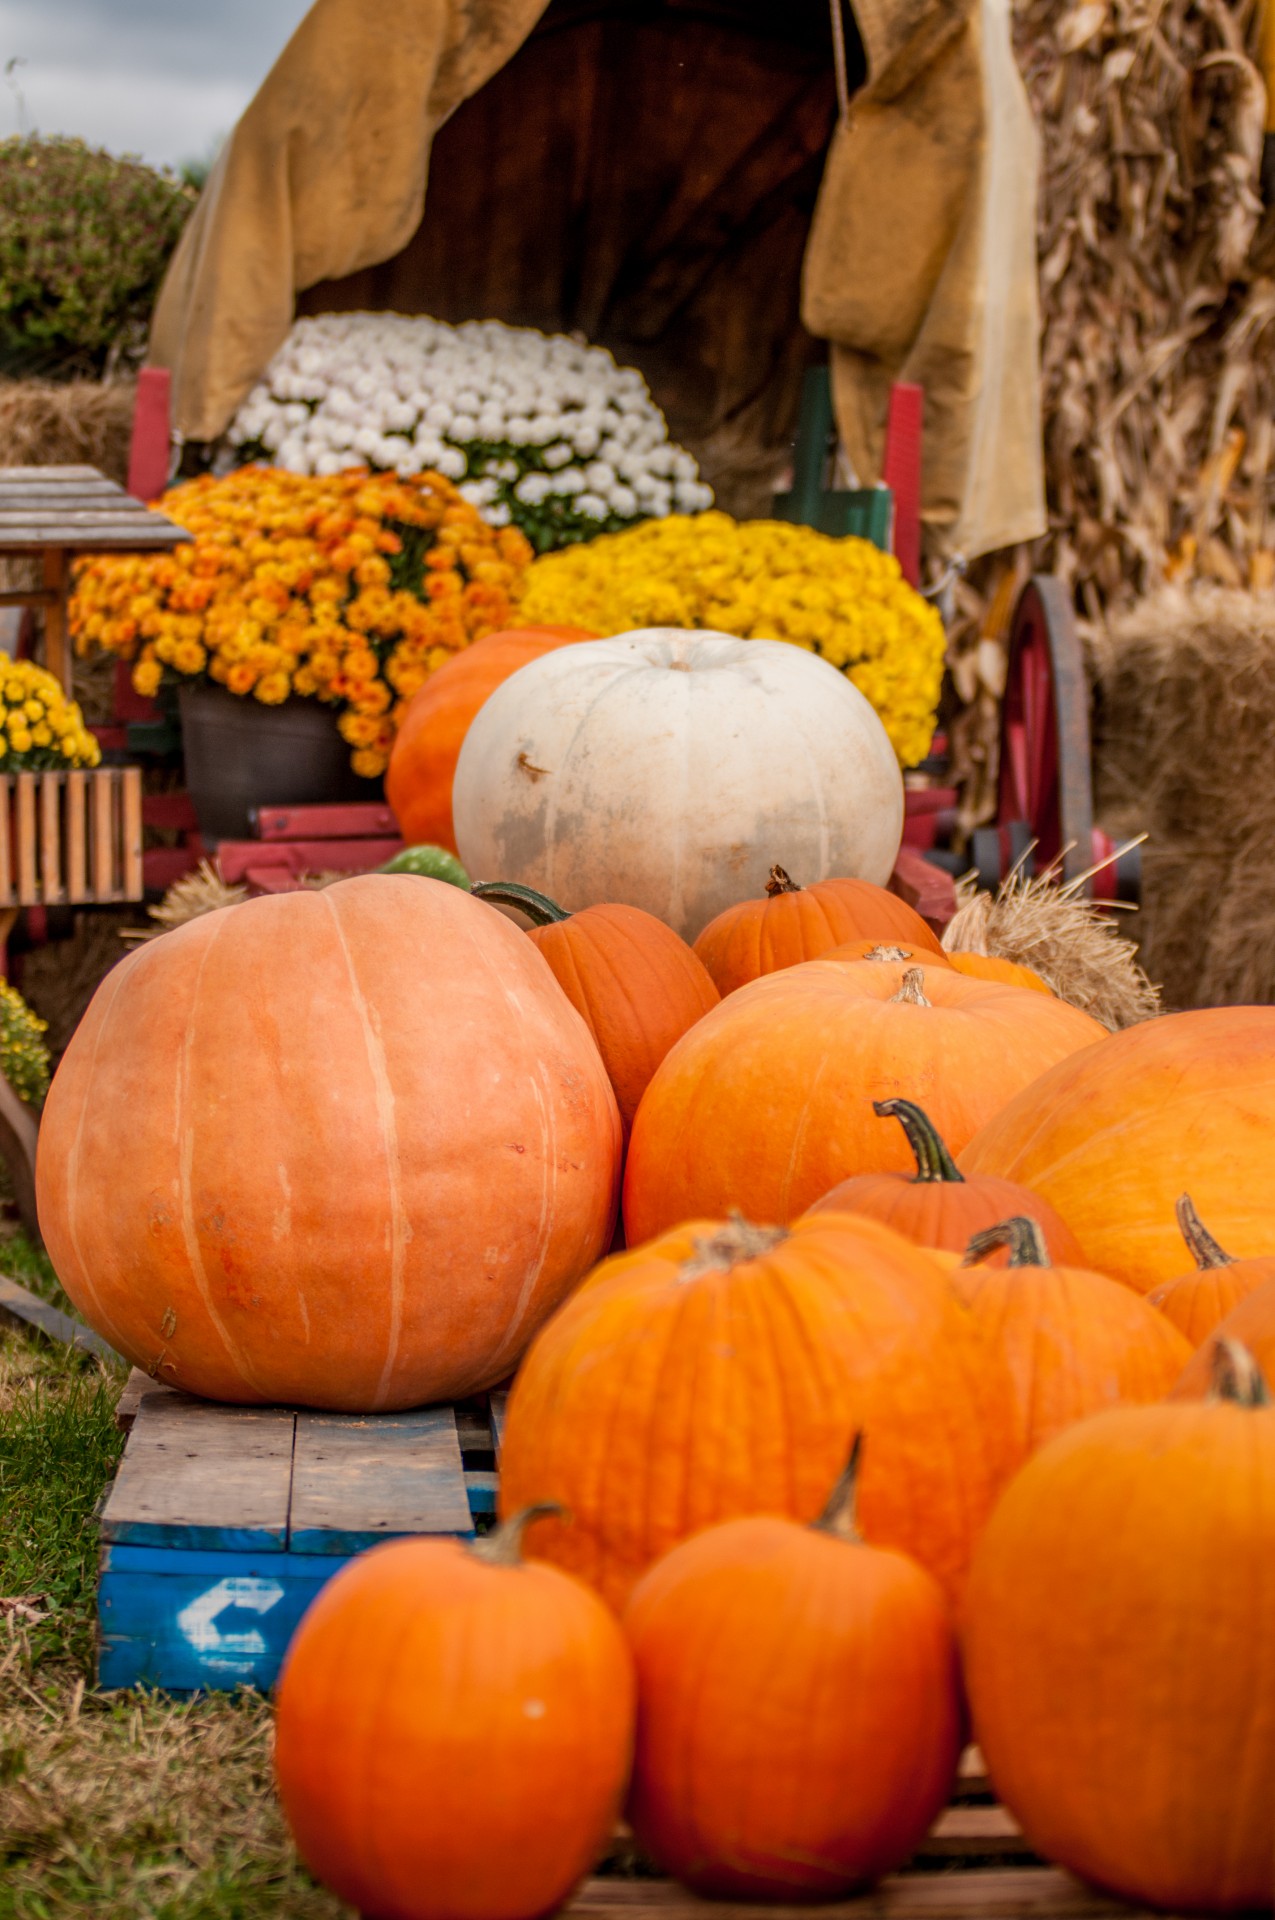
(57, 642)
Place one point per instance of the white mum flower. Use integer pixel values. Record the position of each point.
(532, 489)
(570, 482)
(623, 501)
(497, 516)
(438, 414)
(560, 455)
(451, 463)
(593, 506)
(586, 440)
(600, 475)
(463, 427)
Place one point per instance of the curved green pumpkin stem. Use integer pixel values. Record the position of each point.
(781, 882)
(1023, 1236)
(1237, 1378)
(839, 1517)
(1203, 1248)
(539, 909)
(933, 1161)
(502, 1547)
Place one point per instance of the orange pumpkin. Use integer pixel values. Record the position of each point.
(418, 782)
(1119, 1644)
(800, 1709)
(936, 1206)
(767, 1102)
(885, 951)
(340, 1149)
(793, 923)
(454, 1731)
(634, 982)
(717, 1371)
(991, 966)
(1075, 1341)
(1197, 1302)
(1251, 1322)
(1111, 1136)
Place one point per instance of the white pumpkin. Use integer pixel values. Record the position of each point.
(671, 770)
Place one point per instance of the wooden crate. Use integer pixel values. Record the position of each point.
(224, 1522)
(70, 839)
(998, 1893)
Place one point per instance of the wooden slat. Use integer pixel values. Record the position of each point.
(82, 516)
(56, 491)
(7, 895)
(359, 819)
(197, 1475)
(52, 888)
(359, 1479)
(101, 827)
(77, 806)
(28, 597)
(236, 857)
(1032, 1893)
(10, 475)
(499, 1403)
(57, 639)
(963, 1833)
(131, 827)
(26, 1310)
(117, 537)
(28, 872)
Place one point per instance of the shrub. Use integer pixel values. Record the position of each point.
(84, 241)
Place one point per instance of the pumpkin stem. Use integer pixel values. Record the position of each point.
(1237, 1377)
(840, 1517)
(737, 1241)
(1203, 1248)
(502, 1547)
(539, 909)
(889, 953)
(911, 990)
(1024, 1238)
(933, 1161)
(781, 882)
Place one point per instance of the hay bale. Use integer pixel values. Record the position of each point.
(82, 423)
(1184, 721)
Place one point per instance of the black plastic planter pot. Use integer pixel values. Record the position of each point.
(241, 754)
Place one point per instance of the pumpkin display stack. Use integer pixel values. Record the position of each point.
(371, 1146)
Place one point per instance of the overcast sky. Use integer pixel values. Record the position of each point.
(163, 78)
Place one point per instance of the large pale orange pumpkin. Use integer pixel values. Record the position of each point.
(454, 1732)
(720, 1371)
(1112, 1136)
(935, 1205)
(767, 1102)
(635, 983)
(1075, 1341)
(1119, 1641)
(792, 923)
(1197, 1302)
(418, 783)
(1251, 1322)
(800, 1707)
(342, 1149)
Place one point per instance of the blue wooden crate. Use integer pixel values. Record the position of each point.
(224, 1522)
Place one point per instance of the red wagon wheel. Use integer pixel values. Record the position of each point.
(1046, 781)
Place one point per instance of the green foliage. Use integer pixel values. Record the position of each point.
(84, 241)
(24, 1058)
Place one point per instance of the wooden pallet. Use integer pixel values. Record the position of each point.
(70, 839)
(1022, 1893)
(224, 1522)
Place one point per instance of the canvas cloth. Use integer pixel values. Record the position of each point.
(922, 264)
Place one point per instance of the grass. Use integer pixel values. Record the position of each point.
(128, 1806)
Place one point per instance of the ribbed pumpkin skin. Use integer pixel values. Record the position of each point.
(635, 983)
(340, 1149)
(1118, 1652)
(947, 1214)
(1112, 1136)
(800, 1717)
(1251, 1321)
(783, 929)
(1197, 1303)
(418, 782)
(1076, 1343)
(767, 1103)
(990, 966)
(453, 1739)
(735, 1392)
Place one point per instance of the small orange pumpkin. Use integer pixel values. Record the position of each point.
(936, 1206)
(1251, 1323)
(807, 1684)
(1119, 1648)
(716, 1371)
(454, 1731)
(418, 783)
(992, 966)
(767, 1102)
(1197, 1302)
(794, 923)
(635, 983)
(1075, 1341)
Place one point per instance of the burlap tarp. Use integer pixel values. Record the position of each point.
(921, 262)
